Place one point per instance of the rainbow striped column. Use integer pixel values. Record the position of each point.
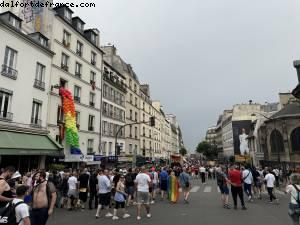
(72, 137)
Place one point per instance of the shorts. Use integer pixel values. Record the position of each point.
(154, 186)
(164, 185)
(83, 196)
(224, 190)
(120, 205)
(142, 197)
(258, 184)
(72, 193)
(104, 199)
(130, 190)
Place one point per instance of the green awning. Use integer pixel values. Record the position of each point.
(16, 143)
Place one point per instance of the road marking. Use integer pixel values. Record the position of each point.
(219, 190)
(207, 189)
(195, 189)
(279, 192)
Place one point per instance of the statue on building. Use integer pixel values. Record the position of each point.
(244, 149)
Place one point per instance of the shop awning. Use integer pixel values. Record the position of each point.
(17, 143)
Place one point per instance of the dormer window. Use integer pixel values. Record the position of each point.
(68, 15)
(14, 22)
(80, 26)
(93, 38)
(43, 41)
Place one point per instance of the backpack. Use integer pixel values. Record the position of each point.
(220, 178)
(128, 178)
(8, 214)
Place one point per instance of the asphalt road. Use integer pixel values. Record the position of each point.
(204, 208)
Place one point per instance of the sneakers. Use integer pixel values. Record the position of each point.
(108, 215)
(139, 218)
(149, 215)
(186, 201)
(244, 208)
(115, 218)
(126, 216)
(152, 202)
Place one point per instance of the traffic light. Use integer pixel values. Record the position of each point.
(152, 121)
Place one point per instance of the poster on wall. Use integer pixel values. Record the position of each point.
(241, 130)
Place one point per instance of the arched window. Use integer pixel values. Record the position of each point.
(276, 140)
(295, 139)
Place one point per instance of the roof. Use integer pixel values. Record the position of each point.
(290, 110)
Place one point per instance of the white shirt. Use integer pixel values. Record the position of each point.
(276, 171)
(202, 170)
(155, 177)
(22, 211)
(294, 193)
(270, 178)
(72, 181)
(142, 180)
(247, 176)
(104, 184)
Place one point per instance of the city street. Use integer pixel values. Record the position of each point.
(204, 208)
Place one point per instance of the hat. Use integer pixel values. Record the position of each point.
(16, 175)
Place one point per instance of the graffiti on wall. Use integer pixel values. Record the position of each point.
(33, 14)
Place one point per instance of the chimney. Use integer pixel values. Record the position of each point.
(297, 66)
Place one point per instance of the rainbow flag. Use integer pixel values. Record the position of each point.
(72, 137)
(173, 188)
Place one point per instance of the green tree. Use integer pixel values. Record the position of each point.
(183, 151)
(208, 150)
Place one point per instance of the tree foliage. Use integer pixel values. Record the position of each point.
(183, 151)
(208, 150)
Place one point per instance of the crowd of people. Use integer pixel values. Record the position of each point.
(34, 195)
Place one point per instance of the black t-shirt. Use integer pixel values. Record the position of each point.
(93, 183)
(129, 180)
(84, 180)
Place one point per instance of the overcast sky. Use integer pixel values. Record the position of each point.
(201, 57)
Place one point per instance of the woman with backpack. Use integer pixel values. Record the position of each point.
(294, 190)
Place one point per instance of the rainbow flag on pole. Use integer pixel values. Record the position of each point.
(72, 137)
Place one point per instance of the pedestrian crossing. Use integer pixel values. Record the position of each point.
(216, 189)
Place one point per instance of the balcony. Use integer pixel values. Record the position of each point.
(77, 74)
(92, 104)
(66, 44)
(91, 128)
(77, 99)
(39, 84)
(9, 72)
(65, 67)
(90, 151)
(35, 122)
(4, 115)
(93, 62)
(79, 53)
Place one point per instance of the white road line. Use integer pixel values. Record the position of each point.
(195, 189)
(279, 192)
(219, 190)
(207, 189)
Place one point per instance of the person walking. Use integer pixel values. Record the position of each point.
(83, 188)
(129, 185)
(5, 190)
(43, 200)
(155, 183)
(235, 178)
(185, 184)
(163, 180)
(93, 190)
(143, 182)
(72, 191)
(120, 199)
(294, 190)
(104, 190)
(202, 173)
(222, 180)
(248, 180)
(173, 188)
(270, 179)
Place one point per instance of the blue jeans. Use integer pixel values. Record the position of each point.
(247, 189)
(39, 216)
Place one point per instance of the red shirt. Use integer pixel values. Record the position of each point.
(235, 176)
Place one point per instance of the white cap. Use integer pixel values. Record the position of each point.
(16, 175)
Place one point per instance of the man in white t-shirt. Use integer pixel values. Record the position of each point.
(202, 171)
(21, 209)
(143, 181)
(270, 179)
(155, 183)
(248, 180)
(73, 191)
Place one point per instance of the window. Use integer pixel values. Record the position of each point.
(130, 98)
(143, 117)
(150, 135)
(130, 83)
(130, 148)
(79, 48)
(93, 77)
(43, 41)
(77, 92)
(36, 113)
(110, 148)
(92, 99)
(295, 139)
(93, 58)
(143, 105)
(5, 103)
(104, 148)
(9, 65)
(136, 132)
(136, 101)
(136, 117)
(60, 115)
(13, 21)
(135, 149)
(130, 131)
(93, 38)
(68, 15)
(130, 114)
(66, 39)
(77, 114)
(122, 100)
(80, 26)
(78, 69)
(144, 132)
(91, 123)
(40, 76)
(64, 61)
(90, 146)
(276, 140)
(134, 87)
